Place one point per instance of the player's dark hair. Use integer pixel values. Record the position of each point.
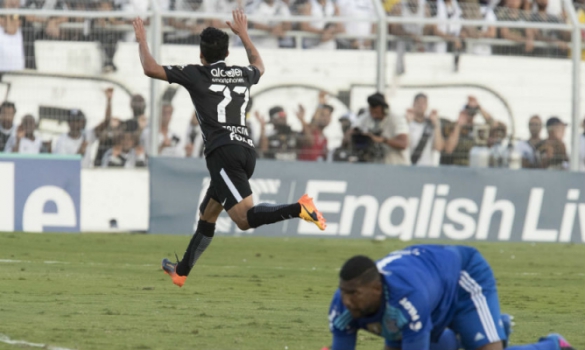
(361, 267)
(214, 44)
(419, 96)
(7, 104)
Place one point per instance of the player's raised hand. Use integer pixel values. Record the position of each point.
(240, 22)
(139, 30)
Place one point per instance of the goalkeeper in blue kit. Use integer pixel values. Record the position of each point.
(424, 297)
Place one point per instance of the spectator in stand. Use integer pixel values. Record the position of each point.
(498, 146)
(320, 10)
(284, 143)
(221, 7)
(357, 8)
(461, 138)
(77, 139)
(386, 134)
(558, 38)
(71, 142)
(473, 11)
(344, 153)
(525, 37)
(169, 143)
(138, 122)
(448, 10)
(530, 157)
(106, 131)
(553, 153)
(313, 140)
(106, 36)
(186, 30)
(276, 30)
(11, 39)
(25, 140)
(124, 153)
(7, 127)
(410, 33)
(194, 147)
(426, 137)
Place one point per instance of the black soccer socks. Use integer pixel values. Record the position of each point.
(199, 242)
(264, 213)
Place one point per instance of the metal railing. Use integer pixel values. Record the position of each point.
(381, 38)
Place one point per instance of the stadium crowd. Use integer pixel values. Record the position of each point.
(18, 34)
(374, 134)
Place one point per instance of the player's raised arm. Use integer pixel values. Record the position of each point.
(240, 28)
(149, 65)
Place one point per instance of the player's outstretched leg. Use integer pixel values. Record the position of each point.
(550, 342)
(210, 210)
(264, 214)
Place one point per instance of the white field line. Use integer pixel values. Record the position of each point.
(5, 339)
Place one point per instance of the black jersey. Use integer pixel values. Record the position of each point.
(220, 94)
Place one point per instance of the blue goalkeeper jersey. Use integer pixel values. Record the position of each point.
(420, 293)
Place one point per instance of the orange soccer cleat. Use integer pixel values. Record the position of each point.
(170, 269)
(310, 213)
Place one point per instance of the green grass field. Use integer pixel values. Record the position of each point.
(96, 291)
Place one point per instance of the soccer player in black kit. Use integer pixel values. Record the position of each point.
(220, 94)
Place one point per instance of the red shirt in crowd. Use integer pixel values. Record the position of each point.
(318, 150)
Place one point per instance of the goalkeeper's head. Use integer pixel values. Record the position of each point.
(361, 286)
(214, 45)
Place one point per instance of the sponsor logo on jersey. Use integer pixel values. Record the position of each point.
(221, 73)
(237, 129)
(415, 325)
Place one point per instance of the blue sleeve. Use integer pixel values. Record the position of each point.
(416, 333)
(341, 325)
(344, 341)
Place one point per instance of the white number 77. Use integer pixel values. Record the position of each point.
(227, 94)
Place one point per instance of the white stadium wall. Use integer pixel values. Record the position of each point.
(114, 194)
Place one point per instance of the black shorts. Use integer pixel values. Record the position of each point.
(230, 167)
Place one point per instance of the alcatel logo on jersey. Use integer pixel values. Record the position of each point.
(218, 72)
(407, 305)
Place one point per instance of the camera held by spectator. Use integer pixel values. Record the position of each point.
(380, 136)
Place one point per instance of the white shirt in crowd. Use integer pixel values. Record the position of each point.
(6, 133)
(390, 127)
(357, 8)
(447, 11)
(278, 8)
(429, 156)
(526, 151)
(175, 150)
(488, 15)
(413, 28)
(67, 145)
(320, 13)
(26, 146)
(11, 51)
